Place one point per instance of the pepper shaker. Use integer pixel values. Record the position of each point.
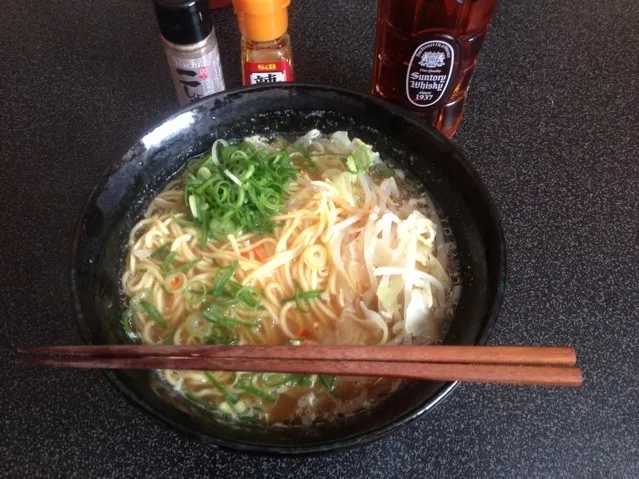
(191, 48)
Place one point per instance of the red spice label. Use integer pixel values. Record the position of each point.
(256, 73)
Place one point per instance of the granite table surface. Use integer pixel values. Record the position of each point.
(551, 126)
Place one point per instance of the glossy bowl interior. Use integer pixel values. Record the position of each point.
(123, 194)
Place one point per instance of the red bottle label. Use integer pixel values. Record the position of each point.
(256, 73)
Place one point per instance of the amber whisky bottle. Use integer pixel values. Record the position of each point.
(425, 54)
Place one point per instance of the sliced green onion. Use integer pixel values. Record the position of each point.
(221, 192)
(184, 267)
(168, 260)
(194, 206)
(230, 397)
(186, 195)
(221, 335)
(249, 297)
(201, 189)
(232, 322)
(273, 380)
(169, 337)
(233, 178)
(204, 233)
(328, 382)
(143, 294)
(257, 392)
(221, 228)
(195, 292)
(315, 257)
(231, 288)
(359, 161)
(222, 275)
(215, 311)
(161, 250)
(350, 165)
(269, 199)
(204, 173)
(213, 316)
(239, 155)
(248, 173)
(312, 294)
(197, 326)
(303, 296)
(214, 150)
(306, 381)
(362, 156)
(239, 187)
(153, 313)
(182, 221)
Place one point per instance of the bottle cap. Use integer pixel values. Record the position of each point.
(262, 20)
(183, 22)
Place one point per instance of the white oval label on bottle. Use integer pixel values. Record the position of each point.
(195, 78)
(429, 72)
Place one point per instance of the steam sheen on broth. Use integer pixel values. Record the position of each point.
(309, 242)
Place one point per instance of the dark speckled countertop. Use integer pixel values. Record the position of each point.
(552, 127)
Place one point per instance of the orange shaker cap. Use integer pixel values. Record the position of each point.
(262, 20)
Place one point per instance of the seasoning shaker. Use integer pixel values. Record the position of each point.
(191, 48)
(267, 56)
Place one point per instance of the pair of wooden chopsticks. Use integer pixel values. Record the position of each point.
(543, 366)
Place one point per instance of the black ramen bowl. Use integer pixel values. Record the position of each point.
(122, 195)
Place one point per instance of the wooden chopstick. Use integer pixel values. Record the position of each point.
(478, 373)
(514, 355)
(547, 366)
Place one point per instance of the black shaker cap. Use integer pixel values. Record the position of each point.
(183, 22)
